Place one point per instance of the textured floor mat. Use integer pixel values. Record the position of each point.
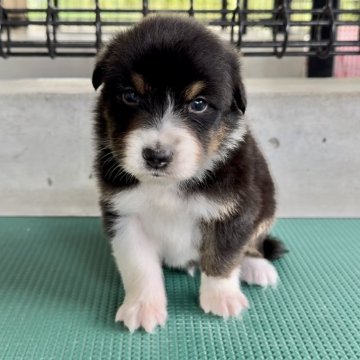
(59, 291)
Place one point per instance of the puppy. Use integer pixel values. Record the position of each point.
(182, 180)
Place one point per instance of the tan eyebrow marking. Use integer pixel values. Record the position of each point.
(194, 89)
(139, 83)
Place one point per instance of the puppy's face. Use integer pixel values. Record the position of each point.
(172, 101)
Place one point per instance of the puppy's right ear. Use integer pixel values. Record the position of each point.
(240, 96)
(97, 76)
(98, 73)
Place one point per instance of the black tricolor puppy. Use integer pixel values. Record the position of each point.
(182, 180)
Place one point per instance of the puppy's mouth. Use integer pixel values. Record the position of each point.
(157, 174)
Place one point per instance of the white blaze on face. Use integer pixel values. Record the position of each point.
(168, 133)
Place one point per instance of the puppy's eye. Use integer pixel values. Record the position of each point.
(130, 97)
(198, 105)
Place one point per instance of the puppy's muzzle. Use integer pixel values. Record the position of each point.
(157, 158)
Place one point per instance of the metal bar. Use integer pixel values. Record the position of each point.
(224, 5)
(198, 11)
(50, 39)
(247, 53)
(322, 65)
(98, 30)
(252, 23)
(145, 9)
(191, 9)
(245, 44)
(245, 12)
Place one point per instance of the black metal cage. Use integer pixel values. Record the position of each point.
(58, 28)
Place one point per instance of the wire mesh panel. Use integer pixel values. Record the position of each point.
(258, 27)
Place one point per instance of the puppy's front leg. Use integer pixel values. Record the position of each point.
(145, 299)
(220, 291)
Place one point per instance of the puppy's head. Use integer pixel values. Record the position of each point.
(172, 99)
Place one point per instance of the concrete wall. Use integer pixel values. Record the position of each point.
(252, 67)
(308, 129)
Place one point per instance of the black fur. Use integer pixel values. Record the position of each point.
(109, 217)
(244, 178)
(273, 248)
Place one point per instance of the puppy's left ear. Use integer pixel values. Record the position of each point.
(239, 95)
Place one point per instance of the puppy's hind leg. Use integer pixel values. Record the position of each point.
(256, 269)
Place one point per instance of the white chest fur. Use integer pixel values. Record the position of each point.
(169, 220)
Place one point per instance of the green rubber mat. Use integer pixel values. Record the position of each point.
(59, 291)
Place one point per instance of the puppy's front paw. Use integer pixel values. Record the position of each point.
(258, 271)
(142, 313)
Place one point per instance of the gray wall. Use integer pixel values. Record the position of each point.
(308, 129)
(25, 68)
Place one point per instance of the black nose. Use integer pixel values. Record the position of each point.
(158, 158)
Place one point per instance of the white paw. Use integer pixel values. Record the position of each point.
(222, 296)
(146, 314)
(258, 271)
(224, 304)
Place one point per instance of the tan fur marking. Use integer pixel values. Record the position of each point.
(252, 247)
(139, 83)
(199, 153)
(227, 208)
(216, 140)
(193, 90)
(251, 251)
(109, 124)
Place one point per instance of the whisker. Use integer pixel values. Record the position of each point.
(114, 166)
